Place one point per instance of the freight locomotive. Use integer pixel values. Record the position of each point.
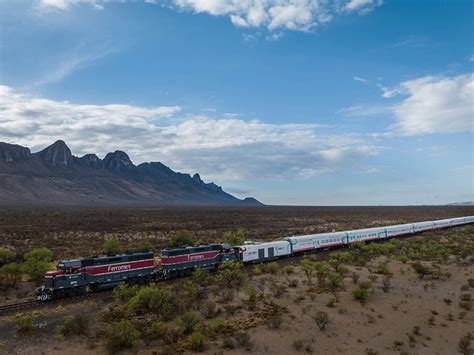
(78, 276)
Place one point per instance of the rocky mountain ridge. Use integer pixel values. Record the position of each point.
(55, 176)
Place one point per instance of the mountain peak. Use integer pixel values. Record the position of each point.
(118, 161)
(12, 152)
(57, 153)
(197, 178)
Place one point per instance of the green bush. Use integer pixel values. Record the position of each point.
(335, 283)
(6, 256)
(271, 268)
(189, 321)
(124, 292)
(25, 323)
(153, 299)
(37, 262)
(290, 269)
(181, 239)
(9, 275)
(257, 270)
(235, 238)
(77, 324)
(231, 274)
(122, 335)
(112, 247)
(321, 319)
(197, 341)
(201, 277)
(361, 292)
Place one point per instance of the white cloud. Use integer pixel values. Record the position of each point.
(225, 148)
(362, 80)
(63, 5)
(365, 110)
(436, 105)
(300, 15)
(71, 62)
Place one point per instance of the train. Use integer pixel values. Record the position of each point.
(78, 276)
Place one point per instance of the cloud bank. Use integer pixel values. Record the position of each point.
(218, 148)
(435, 105)
(299, 15)
(426, 105)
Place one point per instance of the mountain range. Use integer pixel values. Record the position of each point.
(55, 176)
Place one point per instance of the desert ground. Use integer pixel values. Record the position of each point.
(404, 296)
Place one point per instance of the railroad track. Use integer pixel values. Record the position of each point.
(20, 306)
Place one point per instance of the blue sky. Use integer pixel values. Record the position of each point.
(308, 102)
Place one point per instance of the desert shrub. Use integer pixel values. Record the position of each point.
(341, 269)
(290, 269)
(144, 246)
(274, 321)
(257, 270)
(235, 238)
(124, 292)
(6, 256)
(172, 332)
(381, 268)
(191, 293)
(112, 247)
(293, 283)
(323, 269)
(231, 274)
(465, 305)
(217, 326)
(308, 267)
(181, 239)
(302, 344)
(471, 282)
(403, 259)
(355, 278)
(121, 335)
(464, 344)
(321, 319)
(335, 283)
(278, 290)
(155, 331)
(465, 297)
(189, 321)
(153, 299)
(201, 277)
(37, 262)
(416, 330)
(420, 269)
(77, 324)
(9, 275)
(386, 282)
(331, 303)
(271, 268)
(197, 341)
(228, 342)
(25, 323)
(243, 340)
(361, 292)
(209, 309)
(340, 258)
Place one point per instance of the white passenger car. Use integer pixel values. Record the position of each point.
(305, 243)
(399, 229)
(423, 226)
(362, 235)
(254, 252)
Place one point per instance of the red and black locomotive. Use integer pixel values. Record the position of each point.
(78, 276)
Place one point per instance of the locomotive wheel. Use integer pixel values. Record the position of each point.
(43, 297)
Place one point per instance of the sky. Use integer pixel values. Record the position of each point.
(293, 102)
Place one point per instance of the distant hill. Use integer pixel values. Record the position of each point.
(467, 203)
(55, 176)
